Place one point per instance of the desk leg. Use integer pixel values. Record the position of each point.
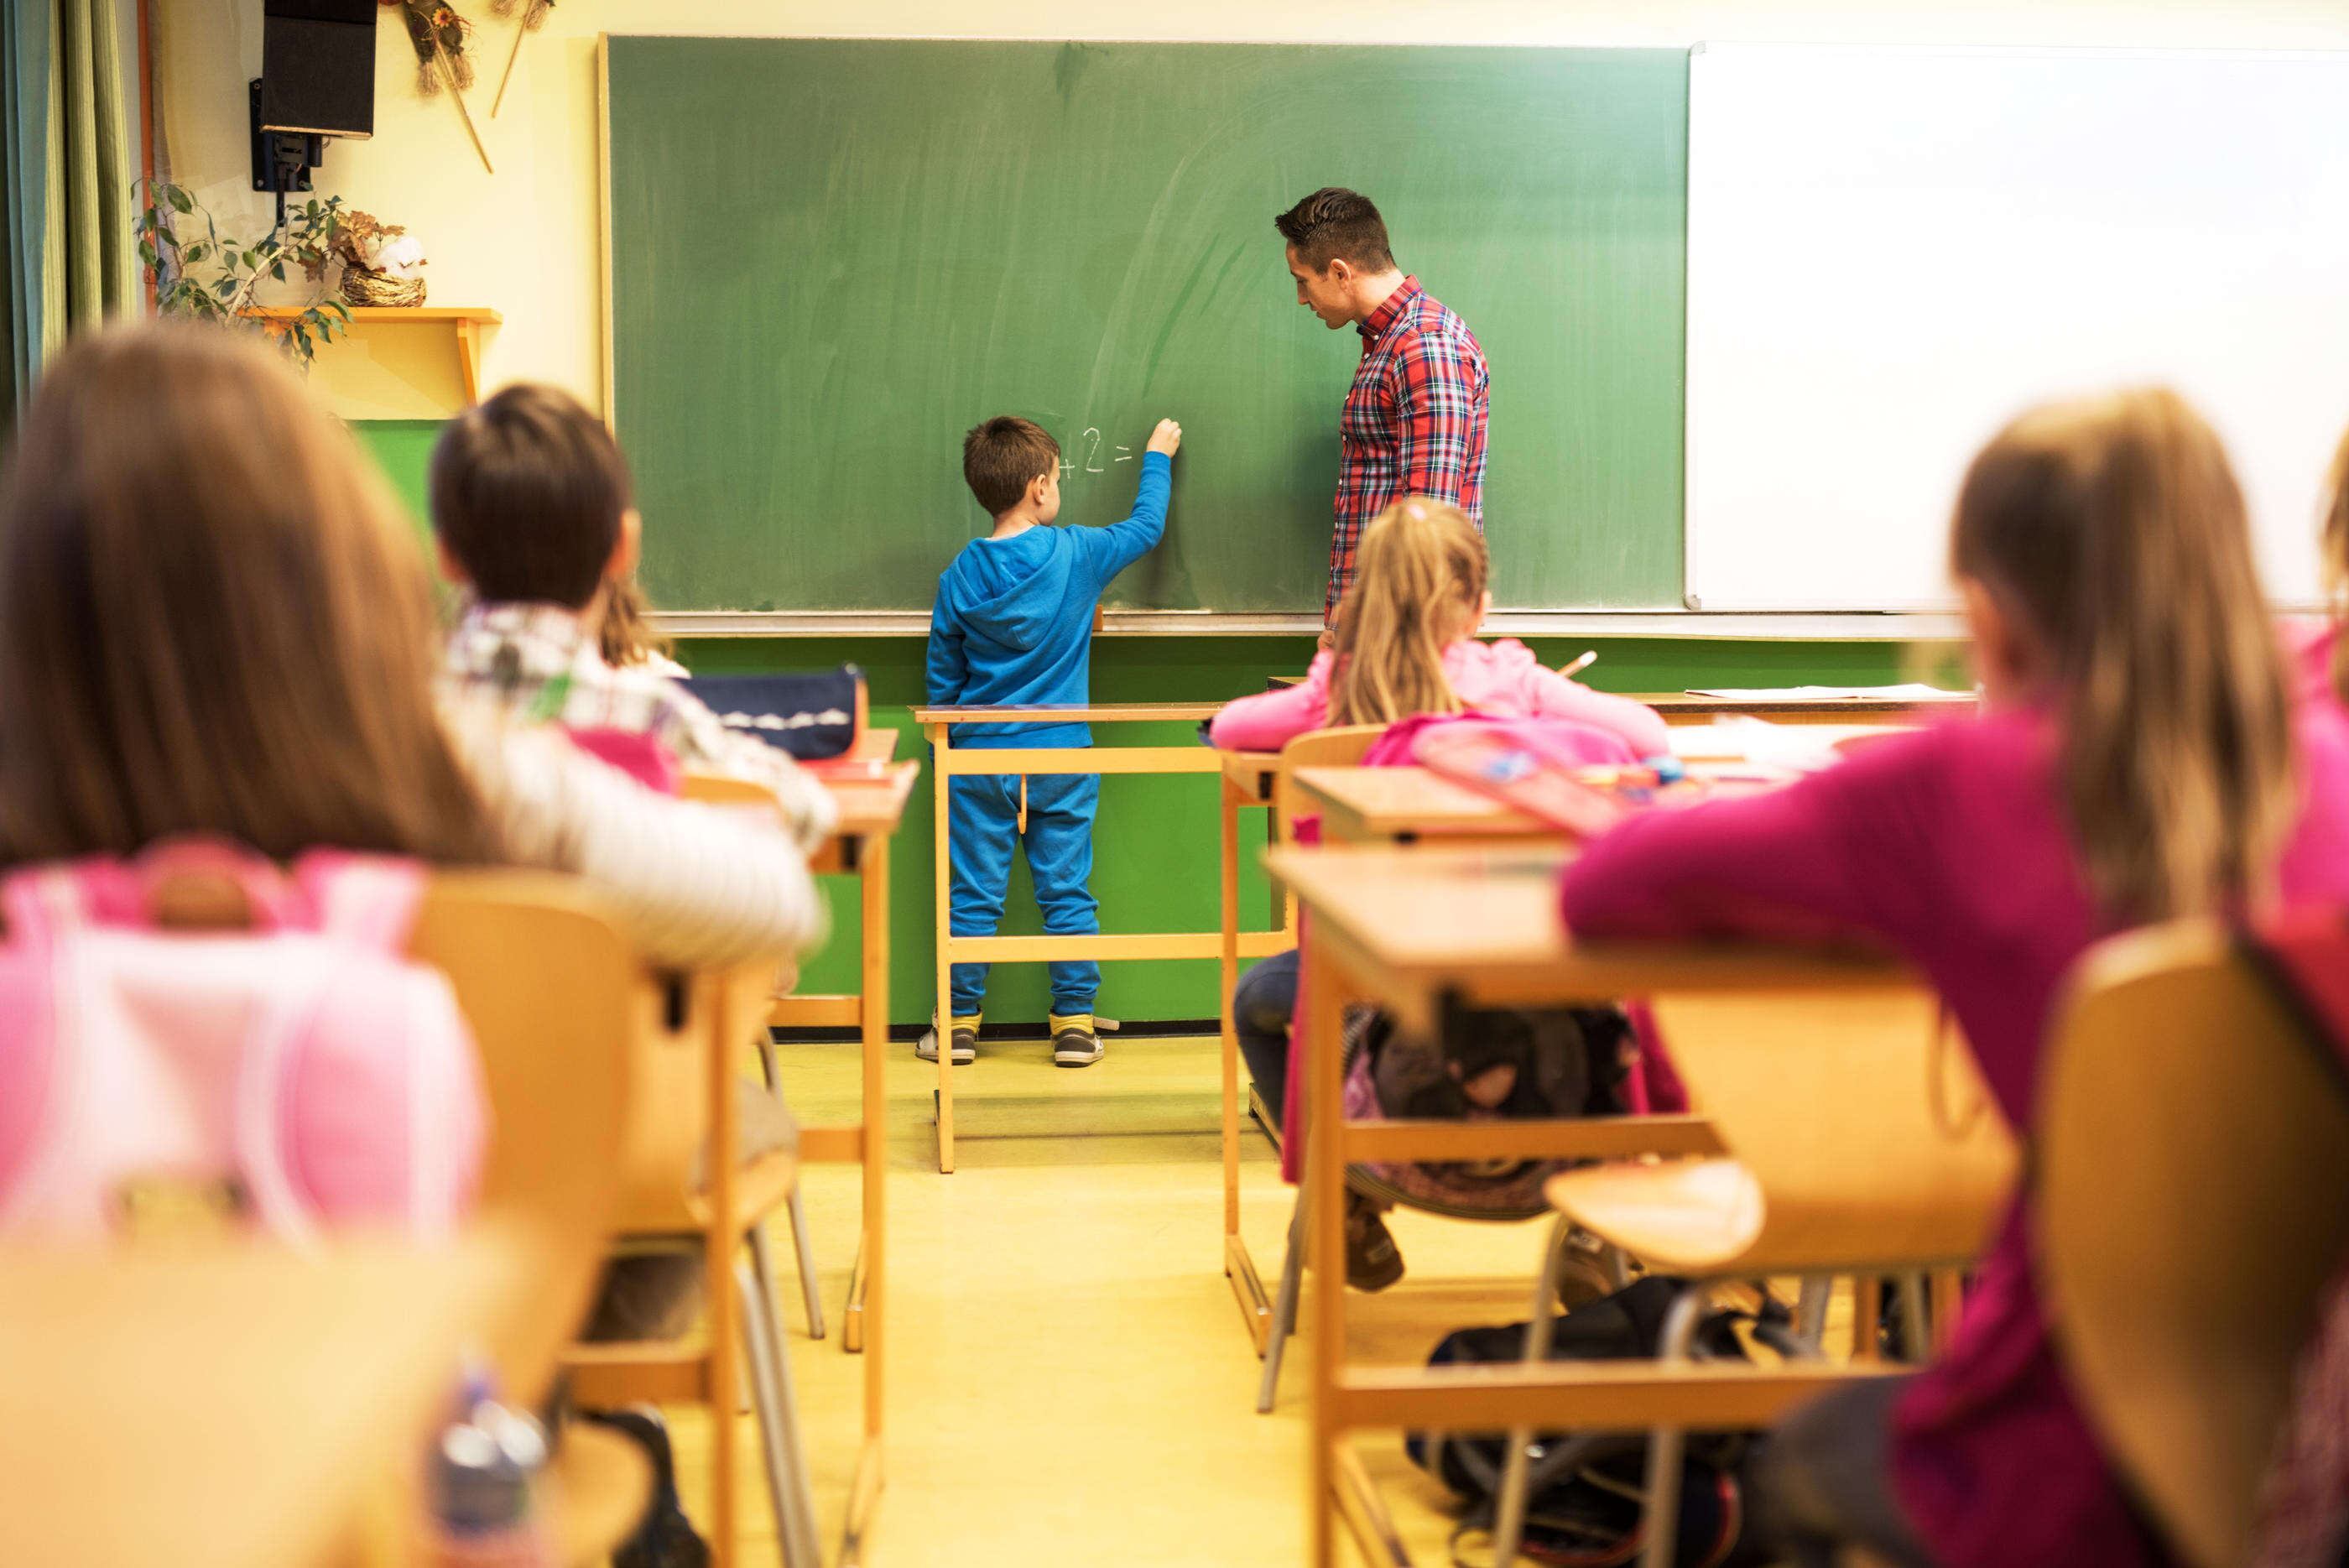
(862, 1496)
(852, 1319)
(1325, 1034)
(1255, 1308)
(941, 743)
(868, 1297)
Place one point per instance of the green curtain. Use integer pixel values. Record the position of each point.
(65, 161)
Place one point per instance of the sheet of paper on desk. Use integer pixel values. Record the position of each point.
(1914, 692)
(1742, 738)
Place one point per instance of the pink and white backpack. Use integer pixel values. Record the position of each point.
(300, 1073)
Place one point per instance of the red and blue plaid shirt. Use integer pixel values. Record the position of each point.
(1414, 423)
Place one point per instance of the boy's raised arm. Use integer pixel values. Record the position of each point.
(1121, 545)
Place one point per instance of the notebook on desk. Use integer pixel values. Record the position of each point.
(1581, 799)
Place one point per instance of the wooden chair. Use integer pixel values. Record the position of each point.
(1861, 1140)
(715, 790)
(1342, 747)
(684, 1180)
(553, 995)
(680, 1040)
(2191, 1185)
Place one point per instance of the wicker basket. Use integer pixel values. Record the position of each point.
(361, 287)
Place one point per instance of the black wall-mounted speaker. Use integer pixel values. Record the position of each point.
(317, 67)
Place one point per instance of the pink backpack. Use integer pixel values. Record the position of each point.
(300, 1072)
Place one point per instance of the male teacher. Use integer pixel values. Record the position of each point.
(1413, 423)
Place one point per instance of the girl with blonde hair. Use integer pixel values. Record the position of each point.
(1406, 645)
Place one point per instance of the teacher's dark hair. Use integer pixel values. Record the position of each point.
(1337, 224)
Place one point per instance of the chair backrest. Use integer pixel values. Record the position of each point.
(1342, 747)
(2191, 1188)
(554, 995)
(1867, 1131)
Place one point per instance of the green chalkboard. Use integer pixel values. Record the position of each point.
(830, 257)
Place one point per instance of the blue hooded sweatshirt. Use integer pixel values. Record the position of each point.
(1014, 618)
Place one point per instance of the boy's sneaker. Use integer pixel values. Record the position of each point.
(963, 1040)
(1075, 1042)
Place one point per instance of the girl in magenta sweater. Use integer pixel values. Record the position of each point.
(1406, 645)
(2140, 761)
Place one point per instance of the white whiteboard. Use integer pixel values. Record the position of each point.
(1891, 251)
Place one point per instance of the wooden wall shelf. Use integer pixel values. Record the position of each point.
(467, 319)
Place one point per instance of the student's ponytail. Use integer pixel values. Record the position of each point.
(2114, 532)
(1419, 583)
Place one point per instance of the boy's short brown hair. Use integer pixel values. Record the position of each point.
(1002, 457)
(1333, 224)
(528, 491)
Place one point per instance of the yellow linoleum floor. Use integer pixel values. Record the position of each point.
(1069, 1378)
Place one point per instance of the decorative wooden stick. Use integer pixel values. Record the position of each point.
(462, 113)
(532, 15)
(511, 55)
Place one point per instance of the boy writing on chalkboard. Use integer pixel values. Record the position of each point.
(1013, 625)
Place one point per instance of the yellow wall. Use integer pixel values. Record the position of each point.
(524, 240)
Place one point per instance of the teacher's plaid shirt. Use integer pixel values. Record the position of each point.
(1413, 425)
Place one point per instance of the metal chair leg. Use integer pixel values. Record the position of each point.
(810, 1295)
(1284, 1306)
(787, 1478)
(1915, 1320)
(801, 1247)
(1811, 1311)
(1509, 1528)
(1665, 1443)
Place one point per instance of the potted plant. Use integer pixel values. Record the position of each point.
(207, 277)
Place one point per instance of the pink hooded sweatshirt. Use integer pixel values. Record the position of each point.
(1500, 679)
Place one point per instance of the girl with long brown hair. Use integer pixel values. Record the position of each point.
(213, 621)
(2140, 760)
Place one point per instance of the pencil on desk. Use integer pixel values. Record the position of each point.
(1581, 664)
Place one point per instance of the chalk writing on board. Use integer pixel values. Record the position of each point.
(1085, 454)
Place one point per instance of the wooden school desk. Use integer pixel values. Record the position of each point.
(1419, 930)
(1410, 806)
(1189, 758)
(871, 791)
(240, 1404)
(1686, 707)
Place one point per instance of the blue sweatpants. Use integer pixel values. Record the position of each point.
(983, 813)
